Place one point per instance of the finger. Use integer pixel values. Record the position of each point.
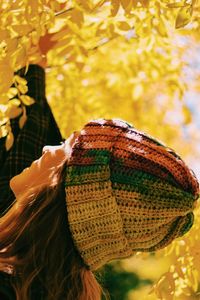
(45, 43)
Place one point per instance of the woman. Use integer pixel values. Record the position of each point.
(105, 193)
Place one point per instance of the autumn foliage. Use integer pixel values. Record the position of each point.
(132, 59)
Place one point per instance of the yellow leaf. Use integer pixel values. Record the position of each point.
(145, 3)
(115, 7)
(34, 58)
(171, 280)
(184, 16)
(4, 98)
(12, 92)
(22, 121)
(134, 3)
(35, 37)
(129, 7)
(23, 88)
(161, 28)
(23, 29)
(13, 111)
(3, 121)
(64, 32)
(4, 34)
(175, 4)
(72, 58)
(158, 288)
(77, 17)
(20, 80)
(179, 270)
(124, 26)
(3, 131)
(66, 51)
(99, 4)
(27, 100)
(3, 108)
(154, 74)
(62, 43)
(80, 65)
(187, 115)
(9, 141)
(137, 91)
(143, 29)
(125, 3)
(20, 57)
(6, 73)
(83, 51)
(15, 102)
(113, 33)
(12, 44)
(194, 280)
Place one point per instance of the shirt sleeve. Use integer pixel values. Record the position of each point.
(39, 130)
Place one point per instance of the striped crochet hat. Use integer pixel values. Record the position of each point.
(125, 192)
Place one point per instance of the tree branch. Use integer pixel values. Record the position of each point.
(63, 12)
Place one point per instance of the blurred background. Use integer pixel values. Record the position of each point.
(138, 60)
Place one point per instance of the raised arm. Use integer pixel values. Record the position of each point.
(39, 130)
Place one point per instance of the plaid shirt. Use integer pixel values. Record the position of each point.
(39, 130)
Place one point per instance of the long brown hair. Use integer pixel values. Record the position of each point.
(36, 244)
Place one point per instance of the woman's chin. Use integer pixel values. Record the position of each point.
(14, 185)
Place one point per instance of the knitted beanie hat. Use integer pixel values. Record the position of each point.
(125, 192)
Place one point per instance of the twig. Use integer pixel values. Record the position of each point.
(63, 12)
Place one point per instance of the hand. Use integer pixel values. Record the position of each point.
(45, 44)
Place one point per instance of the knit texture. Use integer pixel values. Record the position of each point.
(125, 192)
